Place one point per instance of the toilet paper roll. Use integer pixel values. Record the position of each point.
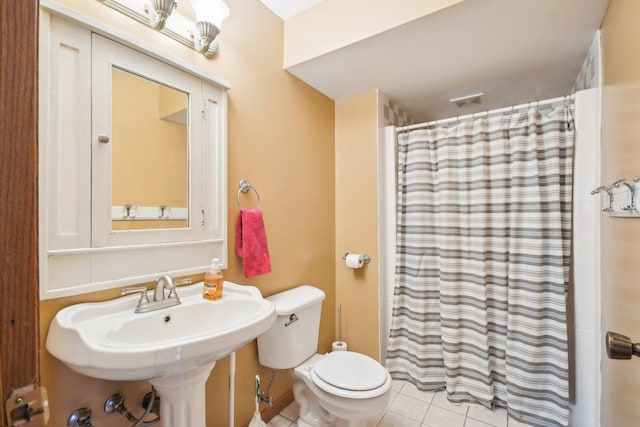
(354, 261)
(339, 346)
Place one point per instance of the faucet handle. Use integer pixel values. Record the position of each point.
(144, 299)
(172, 289)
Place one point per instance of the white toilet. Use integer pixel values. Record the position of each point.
(341, 388)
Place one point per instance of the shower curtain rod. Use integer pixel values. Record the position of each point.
(545, 102)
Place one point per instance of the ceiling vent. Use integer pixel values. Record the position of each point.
(476, 98)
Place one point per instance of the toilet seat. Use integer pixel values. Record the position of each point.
(350, 374)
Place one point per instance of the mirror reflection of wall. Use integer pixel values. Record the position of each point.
(150, 152)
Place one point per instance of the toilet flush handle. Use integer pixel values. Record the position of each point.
(292, 318)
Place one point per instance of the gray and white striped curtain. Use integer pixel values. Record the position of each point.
(483, 248)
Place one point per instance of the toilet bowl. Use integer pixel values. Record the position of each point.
(342, 388)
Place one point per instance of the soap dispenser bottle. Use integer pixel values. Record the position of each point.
(213, 281)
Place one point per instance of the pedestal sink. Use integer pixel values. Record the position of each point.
(173, 348)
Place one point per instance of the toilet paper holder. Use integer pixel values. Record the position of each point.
(363, 258)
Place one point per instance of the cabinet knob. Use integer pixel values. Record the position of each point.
(102, 138)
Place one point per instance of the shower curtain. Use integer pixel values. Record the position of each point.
(482, 262)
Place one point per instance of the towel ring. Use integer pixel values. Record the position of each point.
(244, 187)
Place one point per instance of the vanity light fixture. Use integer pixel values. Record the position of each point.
(209, 17)
(200, 35)
(158, 11)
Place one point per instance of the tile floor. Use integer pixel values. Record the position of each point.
(410, 407)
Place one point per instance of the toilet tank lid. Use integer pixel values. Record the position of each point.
(296, 299)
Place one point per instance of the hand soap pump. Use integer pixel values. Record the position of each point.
(213, 281)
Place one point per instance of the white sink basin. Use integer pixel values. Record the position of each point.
(108, 340)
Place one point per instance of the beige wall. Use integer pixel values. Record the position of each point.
(149, 156)
(620, 237)
(334, 24)
(357, 219)
(281, 138)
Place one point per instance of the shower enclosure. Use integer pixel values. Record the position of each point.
(583, 295)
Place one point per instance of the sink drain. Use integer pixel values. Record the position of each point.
(167, 319)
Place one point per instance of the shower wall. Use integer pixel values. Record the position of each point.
(584, 297)
(387, 196)
(590, 74)
(584, 292)
(390, 115)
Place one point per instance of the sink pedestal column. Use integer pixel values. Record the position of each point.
(183, 397)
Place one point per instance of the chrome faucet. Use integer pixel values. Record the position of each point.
(162, 283)
(159, 300)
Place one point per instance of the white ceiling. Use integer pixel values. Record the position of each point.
(514, 51)
(286, 9)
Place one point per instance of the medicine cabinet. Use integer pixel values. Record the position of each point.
(133, 159)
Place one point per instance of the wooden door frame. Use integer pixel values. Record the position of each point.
(19, 298)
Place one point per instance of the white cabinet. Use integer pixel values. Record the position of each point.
(83, 247)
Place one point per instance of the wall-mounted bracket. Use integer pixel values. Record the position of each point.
(28, 406)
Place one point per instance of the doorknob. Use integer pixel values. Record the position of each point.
(620, 346)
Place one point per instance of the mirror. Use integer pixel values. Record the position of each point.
(150, 154)
(133, 160)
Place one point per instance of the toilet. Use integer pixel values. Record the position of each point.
(341, 388)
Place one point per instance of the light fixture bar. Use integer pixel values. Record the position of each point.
(177, 27)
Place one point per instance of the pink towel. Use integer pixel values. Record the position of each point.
(251, 243)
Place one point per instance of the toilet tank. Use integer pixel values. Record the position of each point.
(294, 336)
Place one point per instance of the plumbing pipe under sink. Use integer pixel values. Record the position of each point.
(232, 386)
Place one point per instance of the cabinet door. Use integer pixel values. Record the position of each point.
(138, 165)
(65, 118)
